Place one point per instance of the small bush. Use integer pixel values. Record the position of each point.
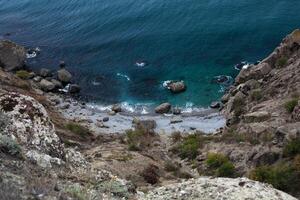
(9, 146)
(281, 176)
(292, 148)
(290, 105)
(226, 170)
(281, 62)
(150, 174)
(189, 146)
(78, 193)
(78, 129)
(256, 95)
(176, 137)
(219, 165)
(296, 163)
(136, 139)
(23, 74)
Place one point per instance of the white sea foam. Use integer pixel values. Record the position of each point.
(95, 83)
(124, 76)
(140, 64)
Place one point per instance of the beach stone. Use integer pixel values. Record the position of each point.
(12, 56)
(57, 83)
(105, 119)
(31, 75)
(74, 88)
(176, 120)
(177, 87)
(64, 76)
(45, 72)
(46, 85)
(176, 111)
(163, 108)
(116, 108)
(112, 113)
(215, 104)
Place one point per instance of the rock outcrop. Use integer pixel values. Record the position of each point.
(163, 108)
(12, 56)
(217, 188)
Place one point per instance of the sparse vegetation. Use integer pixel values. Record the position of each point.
(139, 138)
(171, 167)
(281, 176)
(256, 95)
(291, 104)
(176, 137)
(23, 74)
(78, 192)
(292, 148)
(78, 129)
(9, 146)
(238, 108)
(281, 62)
(219, 165)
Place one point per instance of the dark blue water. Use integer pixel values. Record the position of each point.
(190, 40)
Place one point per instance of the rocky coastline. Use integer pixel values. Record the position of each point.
(54, 146)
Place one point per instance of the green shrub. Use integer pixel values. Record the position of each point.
(219, 165)
(78, 129)
(189, 146)
(292, 148)
(23, 74)
(78, 192)
(281, 176)
(227, 169)
(256, 95)
(290, 105)
(9, 146)
(281, 62)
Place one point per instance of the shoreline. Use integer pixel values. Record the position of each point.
(103, 122)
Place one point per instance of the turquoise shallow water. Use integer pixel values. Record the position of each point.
(190, 40)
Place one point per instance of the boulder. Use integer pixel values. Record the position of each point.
(177, 87)
(46, 85)
(163, 108)
(45, 72)
(176, 111)
(105, 119)
(74, 88)
(12, 56)
(116, 108)
(57, 83)
(64, 76)
(147, 125)
(215, 104)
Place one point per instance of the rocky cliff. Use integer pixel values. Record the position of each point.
(45, 156)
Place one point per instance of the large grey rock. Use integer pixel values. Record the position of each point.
(46, 85)
(12, 56)
(163, 108)
(64, 75)
(57, 83)
(45, 72)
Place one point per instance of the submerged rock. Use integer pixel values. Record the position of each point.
(74, 88)
(12, 56)
(163, 108)
(176, 111)
(177, 87)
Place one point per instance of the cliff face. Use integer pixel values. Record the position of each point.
(263, 103)
(40, 158)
